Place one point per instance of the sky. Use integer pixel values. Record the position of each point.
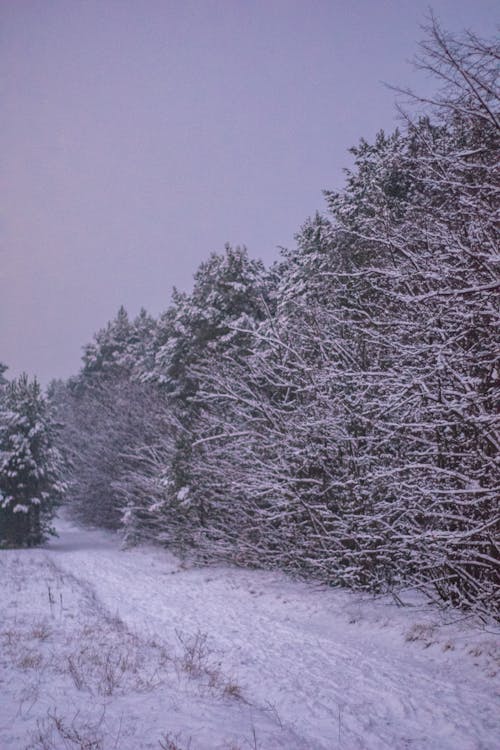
(140, 136)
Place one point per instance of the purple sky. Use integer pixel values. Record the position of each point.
(139, 136)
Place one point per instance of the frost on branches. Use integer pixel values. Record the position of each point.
(336, 415)
(358, 440)
(30, 469)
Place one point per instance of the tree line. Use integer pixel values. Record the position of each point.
(335, 415)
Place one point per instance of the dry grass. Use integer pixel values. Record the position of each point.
(78, 654)
(198, 662)
(41, 630)
(29, 659)
(172, 742)
(422, 632)
(56, 733)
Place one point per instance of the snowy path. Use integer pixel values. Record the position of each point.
(338, 669)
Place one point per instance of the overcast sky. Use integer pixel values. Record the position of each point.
(138, 136)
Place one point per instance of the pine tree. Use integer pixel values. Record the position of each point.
(30, 466)
(198, 329)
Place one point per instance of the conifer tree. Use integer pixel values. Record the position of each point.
(30, 465)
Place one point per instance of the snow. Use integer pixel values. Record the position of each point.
(133, 647)
(20, 508)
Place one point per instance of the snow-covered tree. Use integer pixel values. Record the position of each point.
(360, 433)
(338, 415)
(108, 418)
(229, 293)
(428, 203)
(31, 486)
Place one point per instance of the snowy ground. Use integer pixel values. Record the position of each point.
(106, 649)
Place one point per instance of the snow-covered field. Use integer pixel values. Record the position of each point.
(111, 649)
